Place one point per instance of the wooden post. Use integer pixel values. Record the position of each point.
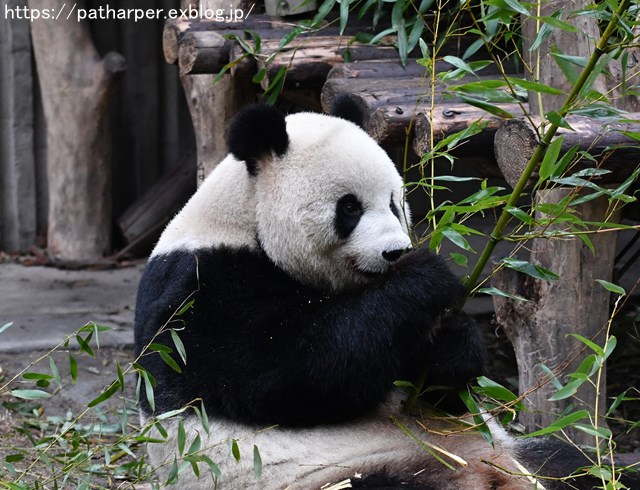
(212, 106)
(75, 84)
(18, 196)
(575, 303)
(539, 330)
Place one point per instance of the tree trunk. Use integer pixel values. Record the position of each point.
(75, 92)
(213, 105)
(575, 303)
(539, 330)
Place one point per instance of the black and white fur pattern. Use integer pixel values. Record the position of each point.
(306, 311)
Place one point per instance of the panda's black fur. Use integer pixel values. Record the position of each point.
(265, 348)
(279, 352)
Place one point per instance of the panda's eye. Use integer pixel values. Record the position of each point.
(351, 208)
(348, 213)
(349, 205)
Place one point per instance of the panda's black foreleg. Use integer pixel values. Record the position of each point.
(456, 356)
(458, 352)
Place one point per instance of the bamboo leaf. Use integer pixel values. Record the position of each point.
(521, 215)
(485, 106)
(472, 406)
(344, 14)
(173, 473)
(171, 413)
(108, 393)
(567, 68)
(170, 361)
(459, 259)
(235, 450)
(182, 437)
(558, 120)
(591, 430)
(496, 391)
(568, 390)
(73, 368)
(30, 394)
(609, 286)
(457, 239)
(560, 423)
(492, 291)
(179, 346)
(529, 269)
(257, 462)
(195, 445)
(592, 345)
(185, 308)
(534, 86)
(6, 326)
(215, 470)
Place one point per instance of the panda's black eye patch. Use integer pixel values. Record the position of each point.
(348, 213)
(394, 208)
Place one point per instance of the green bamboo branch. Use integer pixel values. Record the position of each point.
(538, 154)
(496, 235)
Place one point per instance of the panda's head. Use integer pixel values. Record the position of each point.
(329, 205)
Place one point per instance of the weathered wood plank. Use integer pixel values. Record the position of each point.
(141, 224)
(604, 139)
(212, 107)
(18, 198)
(447, 119)
(176, 29)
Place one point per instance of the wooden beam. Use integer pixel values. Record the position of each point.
(449, 118)
(604, 139)
(176, 29)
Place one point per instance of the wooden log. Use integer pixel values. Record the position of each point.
(141, 224)
(207, 52)
(604, 139)
(390, 105)
(450, 118)
(377, 69)
(175, 30)
(212, 107)
(575, 303)
(308, 60)
(76, 110)
(370, 94)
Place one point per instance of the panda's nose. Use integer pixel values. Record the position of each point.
(393, 255)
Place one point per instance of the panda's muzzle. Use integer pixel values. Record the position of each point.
(393, 255)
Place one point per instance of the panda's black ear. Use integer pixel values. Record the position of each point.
(255, 132)
(345, 107)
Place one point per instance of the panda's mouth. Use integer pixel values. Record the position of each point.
(353, 264)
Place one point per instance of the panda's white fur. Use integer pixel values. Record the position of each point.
(209, 219)
(315, 458)
(275, 212)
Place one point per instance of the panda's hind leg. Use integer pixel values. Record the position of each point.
(383, 481)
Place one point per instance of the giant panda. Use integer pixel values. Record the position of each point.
(308, 303)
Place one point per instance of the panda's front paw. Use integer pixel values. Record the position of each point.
(426, 276)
